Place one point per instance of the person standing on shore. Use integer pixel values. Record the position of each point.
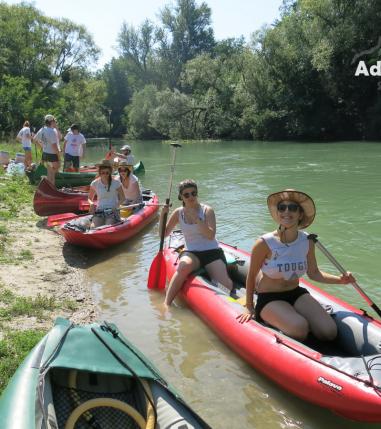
(24, 136)
(48, 137)
(74, 144)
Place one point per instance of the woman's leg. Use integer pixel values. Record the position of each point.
(28, 158)
(321, 323)
(97, 221)
(217, 271)
(188, 263)
(284, 317)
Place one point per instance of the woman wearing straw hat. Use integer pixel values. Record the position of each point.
(130, 184)
(278, 260)
(109, 196)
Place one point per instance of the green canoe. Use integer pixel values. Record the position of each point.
(91, 377)
(71, 179)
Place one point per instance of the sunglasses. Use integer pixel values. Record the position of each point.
(188, 194)
(123, 170)
(104, 172)
(291, 207)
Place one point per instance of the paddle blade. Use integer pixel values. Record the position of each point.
(60, 219)
(157, 272)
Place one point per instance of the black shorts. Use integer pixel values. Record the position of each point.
(50, 157)
(289, 296)
(207, 256)
(71, 159)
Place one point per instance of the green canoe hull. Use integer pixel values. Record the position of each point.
(96, 350)
(66, 179)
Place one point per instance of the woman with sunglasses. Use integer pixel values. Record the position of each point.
(198, 224)
(109, 195)
(278, 260)
(130, 184)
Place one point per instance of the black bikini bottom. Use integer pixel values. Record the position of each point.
(289, 296)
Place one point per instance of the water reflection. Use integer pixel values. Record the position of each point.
(235, 178)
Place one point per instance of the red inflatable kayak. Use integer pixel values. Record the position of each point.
(77, 230)
(343, 376)
(48, 200)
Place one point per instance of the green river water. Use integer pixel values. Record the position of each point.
(235, 179)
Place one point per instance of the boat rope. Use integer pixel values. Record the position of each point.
(123, 363)
(44, 369)
(369, 382)
(372, 365)
(115, 334)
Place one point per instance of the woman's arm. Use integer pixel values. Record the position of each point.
(121, 196)
(172, 222)
(314, 273)
(258, 255)
(90, 199)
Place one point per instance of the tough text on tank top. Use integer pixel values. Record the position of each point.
(288, 260)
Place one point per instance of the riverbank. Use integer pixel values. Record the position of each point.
(38, 279)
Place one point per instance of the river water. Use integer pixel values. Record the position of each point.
(235, 179)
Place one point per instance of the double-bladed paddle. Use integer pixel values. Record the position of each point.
(313, 237)
(157, 272)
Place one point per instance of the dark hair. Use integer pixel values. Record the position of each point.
(187, 183)
(104, 167)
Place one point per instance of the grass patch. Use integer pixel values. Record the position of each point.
(15, 192)
(14, 347)
(26, 255)
(12, 305)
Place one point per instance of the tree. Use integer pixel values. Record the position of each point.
(186, 33)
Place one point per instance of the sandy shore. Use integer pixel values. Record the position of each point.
(47, 269)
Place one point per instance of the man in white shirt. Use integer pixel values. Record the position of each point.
(125, 155)
(74, 144)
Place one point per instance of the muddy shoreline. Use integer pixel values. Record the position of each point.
(40, 264)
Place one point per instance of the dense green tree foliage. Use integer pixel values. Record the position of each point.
(294, 79)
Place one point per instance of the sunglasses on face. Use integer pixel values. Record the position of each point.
(123, 170)
(104, 172)
(188, 194)
(291, 207)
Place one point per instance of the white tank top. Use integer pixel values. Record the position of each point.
(288, 261)
(194, 240)
(107, 198)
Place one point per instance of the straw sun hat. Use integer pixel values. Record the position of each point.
(105, 163)
(304, 201)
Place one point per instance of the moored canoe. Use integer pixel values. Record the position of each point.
(342, 375)
(71, 179)
(77, 231)
(94, 376)
(49, 200)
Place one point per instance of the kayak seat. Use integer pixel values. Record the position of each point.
(89, 386)
(356, 335)
(65, 396)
